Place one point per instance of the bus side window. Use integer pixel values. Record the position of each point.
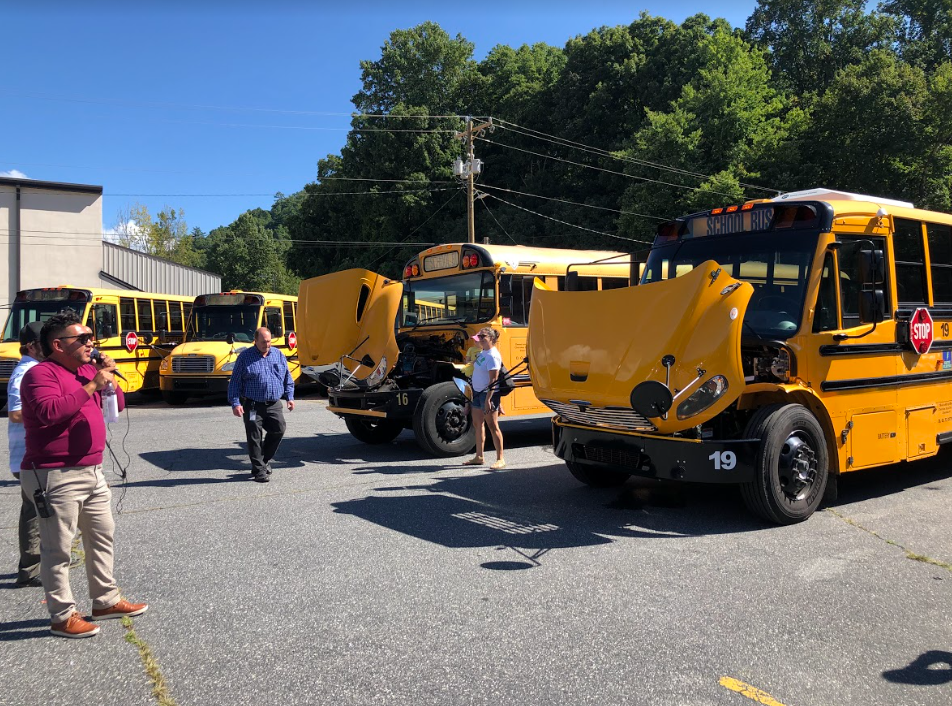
(614, 283)
(585, 284)
(517, 310)
(103, 321)
(144, 307)
(175, 317)
(824, 319)
(910, 262)
(272, 317)
(161, 315)
(851, 285)
(127, 311)
(289, 316)
(940, 256)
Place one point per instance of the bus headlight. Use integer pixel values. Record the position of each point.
(376, 377)
(164, 365)
(228, 367)
(706, 395)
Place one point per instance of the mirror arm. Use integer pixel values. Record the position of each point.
(845, 336)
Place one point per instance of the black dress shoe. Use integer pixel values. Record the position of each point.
(34, 582)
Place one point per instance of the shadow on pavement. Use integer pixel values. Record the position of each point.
(889, 480)
(20, 630)
(532, 511)
(928, 669)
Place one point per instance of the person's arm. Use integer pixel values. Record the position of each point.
(14, 413)
(41, 391)
(234, 386)
(15, 416)
(288, 385)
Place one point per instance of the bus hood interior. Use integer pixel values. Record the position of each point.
(650, 348)
(349, 316)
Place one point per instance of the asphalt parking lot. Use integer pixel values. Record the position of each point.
(377, 575)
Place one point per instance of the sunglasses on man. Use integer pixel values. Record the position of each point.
(83, 338)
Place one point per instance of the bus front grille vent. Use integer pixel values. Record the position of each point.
(193, 364)
(6, 368)
(622, 418)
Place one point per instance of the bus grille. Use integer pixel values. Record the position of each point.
(620, 418)
(611, 457)
(196, 364)
(6, 368)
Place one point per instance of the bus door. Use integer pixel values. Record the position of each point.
(515, 294)
(858, 374)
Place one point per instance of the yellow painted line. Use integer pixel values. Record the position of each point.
(751, 692)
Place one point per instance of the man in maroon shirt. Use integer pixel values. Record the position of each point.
(65, 438)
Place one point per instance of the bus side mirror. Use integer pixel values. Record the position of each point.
(147, 338)
(230, 338)
(505, 285)
(571, 281)
(107, 331)
(871, 305)
(872, 267)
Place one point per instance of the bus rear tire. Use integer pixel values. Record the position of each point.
(441, 423)
(369, 431)
(174, 398)
(597, 476)
(791, 465)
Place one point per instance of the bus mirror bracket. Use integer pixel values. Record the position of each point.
(871, 304)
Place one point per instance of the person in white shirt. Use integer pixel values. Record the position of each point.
(486, 397)
(28, 571)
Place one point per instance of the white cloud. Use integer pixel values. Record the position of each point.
(14, 174)
(127, 229)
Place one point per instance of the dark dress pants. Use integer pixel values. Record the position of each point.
(268, 418)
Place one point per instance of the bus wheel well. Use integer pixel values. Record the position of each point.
(816, 408)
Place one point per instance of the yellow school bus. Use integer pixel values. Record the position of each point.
(399, 346)
(775, 345)
(134, 328)
(219, 328)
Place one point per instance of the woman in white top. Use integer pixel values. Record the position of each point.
(486, 397)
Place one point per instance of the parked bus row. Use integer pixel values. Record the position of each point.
(774, 345)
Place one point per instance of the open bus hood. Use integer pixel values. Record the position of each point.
(351, 313)
(595, 347)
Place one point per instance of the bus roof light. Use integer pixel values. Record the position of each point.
(716, 211)
(747, 206)
(731, 209)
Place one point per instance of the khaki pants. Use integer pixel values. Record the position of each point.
(79, 499)
(29, 531)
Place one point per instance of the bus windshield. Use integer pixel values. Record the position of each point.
(23, 313)
(464, 298)
(777, 266)
(214, 323)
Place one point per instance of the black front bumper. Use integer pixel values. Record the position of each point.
(661, 457)
(389, 404)
(194, 384)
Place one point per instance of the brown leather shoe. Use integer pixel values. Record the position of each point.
(74, 626)
(120, 610)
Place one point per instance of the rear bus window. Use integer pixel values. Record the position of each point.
(910, 262)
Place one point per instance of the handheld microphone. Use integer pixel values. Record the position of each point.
(97, 357)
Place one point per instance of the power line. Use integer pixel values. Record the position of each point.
(601, 169)
(566, 223)
(488, 210)
(401, 243)
(573, 203)
(536, 134)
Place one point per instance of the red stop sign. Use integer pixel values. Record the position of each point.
(292, 340)
(920, 331)
(132, 341)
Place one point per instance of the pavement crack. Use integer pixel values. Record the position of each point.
(153, 670)
(925, 559)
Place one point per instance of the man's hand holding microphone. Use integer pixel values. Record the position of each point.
(105, 374)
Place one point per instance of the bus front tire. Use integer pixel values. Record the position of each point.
(174, 398)
(380, 431)
(791, 464)
(441, 423)
(597, 476)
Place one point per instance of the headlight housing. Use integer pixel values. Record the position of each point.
(703, 397)
(376, 377)
(164, 365)
(228, 367)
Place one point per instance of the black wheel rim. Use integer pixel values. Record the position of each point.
(451, 420)
(797, 466)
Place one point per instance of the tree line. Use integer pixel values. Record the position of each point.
(597, 142)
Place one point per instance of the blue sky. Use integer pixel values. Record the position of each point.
(190, 105)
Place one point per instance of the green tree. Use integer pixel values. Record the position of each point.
(924, 30)
(248, 256)
(164, 236)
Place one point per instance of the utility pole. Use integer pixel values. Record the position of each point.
(469, 169)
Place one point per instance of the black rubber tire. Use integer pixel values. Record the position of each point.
(769, 495)
(370, 431)
(597, 476)
(440, 422)
(174, 398)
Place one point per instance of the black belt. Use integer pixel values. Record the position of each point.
(268, 402)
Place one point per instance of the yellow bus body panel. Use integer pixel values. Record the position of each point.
(352, 313)
(697, 318)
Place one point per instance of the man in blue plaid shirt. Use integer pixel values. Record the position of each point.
(259, 381)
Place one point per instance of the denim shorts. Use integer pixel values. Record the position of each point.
(479, 400)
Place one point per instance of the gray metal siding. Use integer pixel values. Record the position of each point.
(153, 274)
